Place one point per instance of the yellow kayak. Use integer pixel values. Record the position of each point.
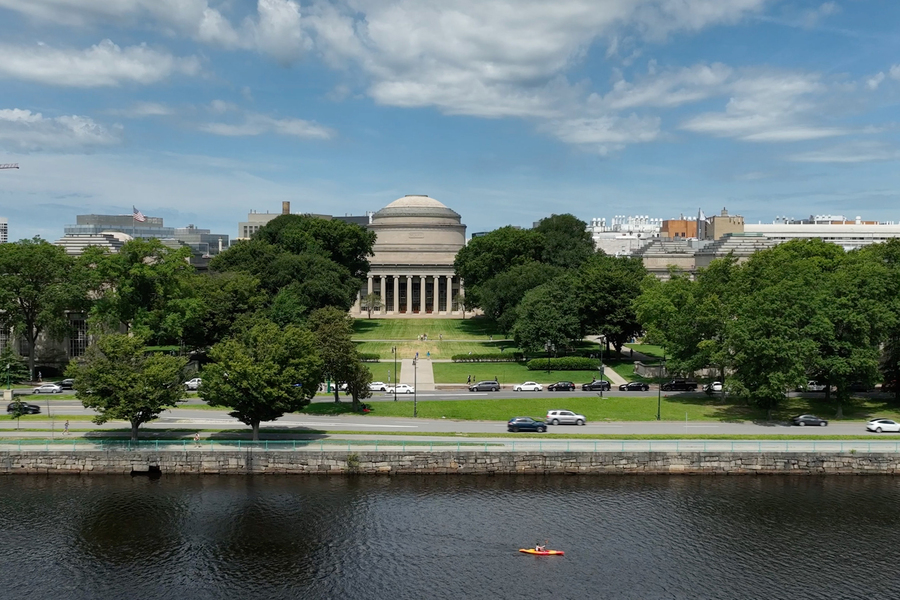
(542, 552)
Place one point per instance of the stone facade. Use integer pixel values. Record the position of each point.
(257, 461)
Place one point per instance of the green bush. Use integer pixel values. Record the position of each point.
(564, 363)
(368, 357)
(502, 357)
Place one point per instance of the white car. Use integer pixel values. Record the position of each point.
(714, 387)
(564, 417)
(47, 388)
(879, 425)
(528, 386)
(378, 386)
(193, 384)
(402, 388)
(812, 386)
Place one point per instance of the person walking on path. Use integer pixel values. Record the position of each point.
(469, 380)
(197, 439)
(66, 428)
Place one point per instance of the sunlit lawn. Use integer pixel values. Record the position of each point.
(648, 349)
(505, 373)
(410, 329)
(434, 348)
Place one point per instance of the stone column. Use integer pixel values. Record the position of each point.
(371, 284)
(436, 300)
(395, 307)
(421, 294)
(449, 294)
(409, 294)
(383, 295)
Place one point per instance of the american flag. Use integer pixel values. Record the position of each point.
(138, 215)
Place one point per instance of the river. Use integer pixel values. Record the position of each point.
(220, 537)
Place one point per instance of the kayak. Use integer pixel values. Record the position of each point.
(542, 552)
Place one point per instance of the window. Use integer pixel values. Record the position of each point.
(77, 337)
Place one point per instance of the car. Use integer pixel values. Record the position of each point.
(193, 384)
(401, 388)
(561, 386)
(528, 386)
(27, 409)
(47, 388)
(378, 386)
(485, 386)
(859, 386)
(634, 386)
(564, 417)
(804, 420)
(525, 424)
(596, 386)
(67, 384)
(714, 387)
(679, 385)
(879, 425)
(812, 386)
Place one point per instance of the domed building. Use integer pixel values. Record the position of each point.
(412, 269)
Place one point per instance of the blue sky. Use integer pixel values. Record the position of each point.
(200, 111)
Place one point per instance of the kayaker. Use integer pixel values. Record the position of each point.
(539, 548)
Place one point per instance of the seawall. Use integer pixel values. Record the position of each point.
(257, 461)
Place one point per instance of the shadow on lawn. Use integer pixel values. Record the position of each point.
(733, 409)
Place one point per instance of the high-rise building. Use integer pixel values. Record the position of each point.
(4, 230)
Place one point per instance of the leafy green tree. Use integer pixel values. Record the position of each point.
(548, 314)
(358, 379)
(333, 330)
(36, 290)
(263, 372)
(119, 379)
(13, 365)
(500, 295)
(489, 255)
(566, 242)
(224, 299)
(372, 302)
(604, 289)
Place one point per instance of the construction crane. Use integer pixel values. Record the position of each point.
(10, 166)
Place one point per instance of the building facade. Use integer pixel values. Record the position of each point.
(411, 272)
(4, 230)
(625, 235)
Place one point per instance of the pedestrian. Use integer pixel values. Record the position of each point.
(469, 380)
(492, 338)
(197, 439)
(593, 379)
(66, 428)
(40, 379)
(496, 380)
(440, 337)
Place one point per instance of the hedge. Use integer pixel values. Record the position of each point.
(367, 357)
(494, 357)
(564, 363)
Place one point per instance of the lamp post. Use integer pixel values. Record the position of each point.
(547, 347)
(415, 391)
(602, 349)
(394, 352)
(659, 389)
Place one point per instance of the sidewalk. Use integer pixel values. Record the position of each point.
(421, 376)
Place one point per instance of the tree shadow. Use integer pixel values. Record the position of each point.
(361, 326)
(480, 326)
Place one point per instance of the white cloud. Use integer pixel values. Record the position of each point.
(666, 89)
(895, 72)
(145, 109)
(606, 134)
(849, 154)
(813, 17)
(278, 30)
(768, 107)
(104, 64)
(24, 130)
(221, 106)
(874, 81)
(256, 124)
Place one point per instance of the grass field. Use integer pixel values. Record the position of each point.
(437, 349)
(410, 329)
(648, 349)
(505, 373)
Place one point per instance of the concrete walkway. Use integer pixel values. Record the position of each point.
(421, 376)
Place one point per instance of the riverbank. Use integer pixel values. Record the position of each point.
(460, 461)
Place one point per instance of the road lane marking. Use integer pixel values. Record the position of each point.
(282, 423)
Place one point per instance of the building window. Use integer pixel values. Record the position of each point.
(77, 337)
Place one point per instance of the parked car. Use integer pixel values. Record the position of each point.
(714, 387)
(596, 386)
(812, 386)
(27, 409)
(485, 386)
(401, 388)
(67, 384)
(879, 425)
(47, 388)
(634, 386)
(193, 384)
(528, 386)
(561, 386)
(804, 420)
(564, 417)
(525, 424)
(679, 385)
(859, 386)
(378, 386)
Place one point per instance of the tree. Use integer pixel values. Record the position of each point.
(566, 242)
(489, 255)
(333, 330)
(547, 314)
(263, 372)
(358, 379)
(224, 298)
(36, 290)
(120, 380)
(500, 295)
(372, 302)
(13, 365)
(605, 288)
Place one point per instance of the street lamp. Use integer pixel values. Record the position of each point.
(415, 388)
(602, 349)
(394, 352)
(548, 346)
(659, 389)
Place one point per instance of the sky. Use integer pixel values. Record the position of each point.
(200, 111)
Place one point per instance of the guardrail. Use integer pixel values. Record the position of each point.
(387, 445)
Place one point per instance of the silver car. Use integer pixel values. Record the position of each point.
(564, 417)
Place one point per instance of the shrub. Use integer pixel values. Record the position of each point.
(502, 357)
(368, 357)
(564, 363)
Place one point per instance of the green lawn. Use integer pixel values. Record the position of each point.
(436, 348)
(505, 373)
(477, 328)
(648, 349)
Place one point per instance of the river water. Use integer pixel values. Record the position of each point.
(454, 537)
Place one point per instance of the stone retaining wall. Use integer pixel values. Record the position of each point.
(456, 463)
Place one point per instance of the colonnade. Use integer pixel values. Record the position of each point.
(411, 294)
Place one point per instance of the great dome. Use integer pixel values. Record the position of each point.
(416, 207)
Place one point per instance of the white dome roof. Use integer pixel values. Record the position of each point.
(417, 201)
(415, 207)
